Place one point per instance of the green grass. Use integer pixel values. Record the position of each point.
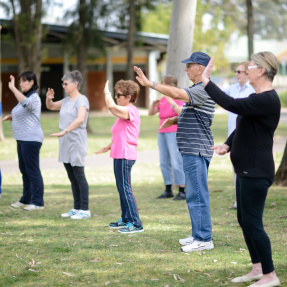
(41, 249)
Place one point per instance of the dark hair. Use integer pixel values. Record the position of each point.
(29, 76)
(128, 88)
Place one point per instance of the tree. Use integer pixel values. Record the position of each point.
(281, 174)
(28, 32)
(250, 27)
(182, 24)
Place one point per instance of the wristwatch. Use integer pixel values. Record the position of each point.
(65, 130)
(154, 84)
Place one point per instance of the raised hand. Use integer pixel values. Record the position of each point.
(207, 72)
(50, 94)
(11, 84)
(107, 90)
(143, 80)
(221, 149)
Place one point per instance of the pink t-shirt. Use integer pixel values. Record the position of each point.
(165, 112)
(125, 136)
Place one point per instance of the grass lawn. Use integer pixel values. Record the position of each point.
(42, 249)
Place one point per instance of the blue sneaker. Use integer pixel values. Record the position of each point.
(117, 224)
(130, 228)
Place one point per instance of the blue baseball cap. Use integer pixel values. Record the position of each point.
(198, 58)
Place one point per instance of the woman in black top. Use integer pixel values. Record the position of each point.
(250, 147)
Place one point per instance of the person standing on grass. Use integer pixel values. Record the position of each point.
(123, 149)
(250, 146)
(241, 89)
(73, 140)
(27, 131)
(0, 166)
(194, 140)
(169, 155)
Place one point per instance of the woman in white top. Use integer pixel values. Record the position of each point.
(73, 140)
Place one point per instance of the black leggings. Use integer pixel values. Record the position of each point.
(80, 186)
(251, 194)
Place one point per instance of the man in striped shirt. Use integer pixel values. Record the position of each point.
(194, 139)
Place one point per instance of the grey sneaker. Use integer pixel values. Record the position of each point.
(118, 224)
(186, 241)
(130, 228)
(197, 246)
(18, 204)
(31, 207)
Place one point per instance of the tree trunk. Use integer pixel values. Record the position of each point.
(28, 35)
(131, 39)
(250, 27)
(281, 174)
(82, 51)
(180, 39)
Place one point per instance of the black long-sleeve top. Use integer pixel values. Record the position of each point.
(251, 143)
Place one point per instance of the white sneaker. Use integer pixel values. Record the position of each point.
(17, 204)
(30, 207)
(70, 213)
(186, 241)
(197, 246)
(81, 214)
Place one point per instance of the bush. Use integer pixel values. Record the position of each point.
(283, 98)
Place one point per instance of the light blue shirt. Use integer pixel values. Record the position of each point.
(236, 92)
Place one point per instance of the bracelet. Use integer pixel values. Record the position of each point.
(173, 106)
(154, 84)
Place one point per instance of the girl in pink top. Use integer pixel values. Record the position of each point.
(170, 157)
(123, 148)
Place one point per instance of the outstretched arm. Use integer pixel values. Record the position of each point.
(172, 92)
(82, 112)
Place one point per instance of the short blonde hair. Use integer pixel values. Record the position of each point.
(128, 87)
(269, 61)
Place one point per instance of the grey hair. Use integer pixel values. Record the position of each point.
(74, 76)
(269, 61)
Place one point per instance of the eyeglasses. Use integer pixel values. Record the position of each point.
(188, 65)
(252, 67)
(118, 95)
(238, 72)
(65, 84)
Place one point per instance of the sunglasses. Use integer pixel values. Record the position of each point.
(238, 72)
(118, 95)
(188, 65)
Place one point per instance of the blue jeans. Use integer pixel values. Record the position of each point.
(170, 159)
(122, 170)
(29, 165)
(197, 195)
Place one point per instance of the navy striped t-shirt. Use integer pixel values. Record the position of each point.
(194, 136)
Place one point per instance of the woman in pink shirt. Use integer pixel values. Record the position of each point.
(170, 157)
(123, 148)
